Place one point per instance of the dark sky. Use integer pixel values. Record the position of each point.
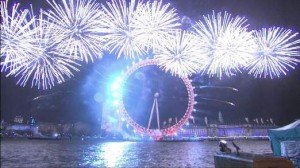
(74, 100)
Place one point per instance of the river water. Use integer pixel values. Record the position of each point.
(76, 153)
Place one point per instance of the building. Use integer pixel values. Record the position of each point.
(18, 119)
(227, 131)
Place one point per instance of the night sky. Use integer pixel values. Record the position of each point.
(74, 100)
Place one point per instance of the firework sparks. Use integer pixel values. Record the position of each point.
(226, 43)
(47, 65)
(118, 29)
(278, 50)
(16, 37)
(179, 53)
(157, 21)
(80, 22)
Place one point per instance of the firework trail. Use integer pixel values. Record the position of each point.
(219, 87)
(217, 100)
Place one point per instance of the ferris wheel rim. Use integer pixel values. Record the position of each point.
(154, 132)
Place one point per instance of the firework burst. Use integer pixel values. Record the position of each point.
(79, 21)
(156, 22)
(47, 66)
(278, 51)
(118, 27)
(16, 37)
(179, 53)
(226, 43)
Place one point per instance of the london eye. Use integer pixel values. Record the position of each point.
(151, 104)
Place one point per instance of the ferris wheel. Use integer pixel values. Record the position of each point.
(154, 109)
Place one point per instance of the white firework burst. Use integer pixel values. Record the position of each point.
(156, 21)
(278, 51)
(79, 21)
(47, 66)
(179, 53)
(118, 27)
(226, 43)
(16, 37)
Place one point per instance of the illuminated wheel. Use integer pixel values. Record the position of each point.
(136, 89)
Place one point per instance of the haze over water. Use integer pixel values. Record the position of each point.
(76, 153)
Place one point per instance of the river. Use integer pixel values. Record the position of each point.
(77, 153)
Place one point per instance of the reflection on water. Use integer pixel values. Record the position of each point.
(112, 153)
(35, 153)
(108, 154)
